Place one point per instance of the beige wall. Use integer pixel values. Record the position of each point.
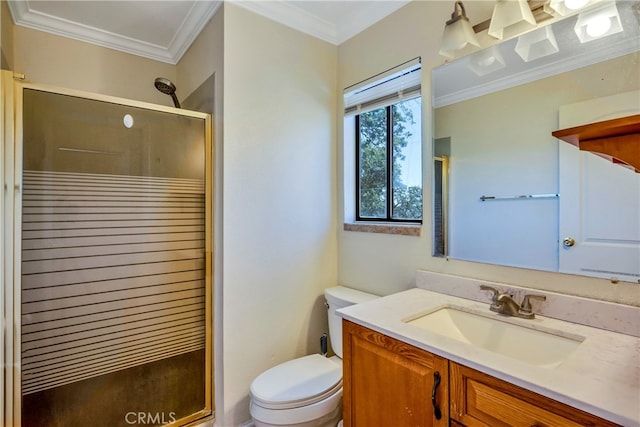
(279, 198)
(6, 36)
(385, 263)
(275, 193)
(204, 56)
(53, 60)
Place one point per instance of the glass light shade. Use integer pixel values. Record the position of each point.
(565, 7)
(537, 44)
(486, 61)
(456, 37)
(600, 21)
(510, 17)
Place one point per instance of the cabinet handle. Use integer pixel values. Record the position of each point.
(436, 383)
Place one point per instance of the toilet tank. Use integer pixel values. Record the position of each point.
(338, 297)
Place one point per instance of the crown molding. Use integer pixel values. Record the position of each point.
(294, 17)
(194, 22)
(290, 15)
(198, 17)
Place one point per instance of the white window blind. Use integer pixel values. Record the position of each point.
(388, 87)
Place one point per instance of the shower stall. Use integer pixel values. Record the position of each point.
(107, 260)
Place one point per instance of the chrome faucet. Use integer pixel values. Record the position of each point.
(503, 303)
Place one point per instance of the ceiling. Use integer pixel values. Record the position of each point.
(164, 29)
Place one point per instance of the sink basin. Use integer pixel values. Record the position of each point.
(533, 346)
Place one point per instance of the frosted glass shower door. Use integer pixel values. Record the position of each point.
(115, 263)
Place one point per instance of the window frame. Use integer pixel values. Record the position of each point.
(389, 171)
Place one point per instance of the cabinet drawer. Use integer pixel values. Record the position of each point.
(478, 399)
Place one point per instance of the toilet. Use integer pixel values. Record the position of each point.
(307, 391)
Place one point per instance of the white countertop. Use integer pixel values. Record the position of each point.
(602, 376)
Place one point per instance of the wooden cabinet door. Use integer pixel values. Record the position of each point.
(480, 400)
(390, 383)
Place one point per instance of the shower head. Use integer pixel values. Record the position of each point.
(167, 87)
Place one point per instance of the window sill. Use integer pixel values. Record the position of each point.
(385, 228)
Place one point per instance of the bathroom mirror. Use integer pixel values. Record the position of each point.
(506, 183)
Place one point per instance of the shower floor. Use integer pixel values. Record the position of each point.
(152, 394)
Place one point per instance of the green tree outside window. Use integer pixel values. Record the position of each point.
(388, 148)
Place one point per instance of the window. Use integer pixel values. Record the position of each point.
(388, 143)
(389, 175)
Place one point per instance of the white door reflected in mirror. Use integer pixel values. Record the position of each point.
(599, 203)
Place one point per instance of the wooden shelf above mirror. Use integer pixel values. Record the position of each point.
(617, 140)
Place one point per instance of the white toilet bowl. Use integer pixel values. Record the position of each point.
(303, 392)
(306, 392)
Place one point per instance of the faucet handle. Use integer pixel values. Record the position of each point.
(525, 307)
(496, 292)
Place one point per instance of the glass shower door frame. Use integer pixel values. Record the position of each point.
(11, 170)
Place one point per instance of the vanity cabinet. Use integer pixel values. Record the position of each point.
(390, 383)
(387, 382)
(480, 400)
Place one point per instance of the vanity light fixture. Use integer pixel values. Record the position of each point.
(599, 21)
(486, 61)
(565, 7)
(575, 4)
(511, 17)
(458, 32)
(537, 44)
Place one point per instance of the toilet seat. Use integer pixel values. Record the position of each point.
(297, 383)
